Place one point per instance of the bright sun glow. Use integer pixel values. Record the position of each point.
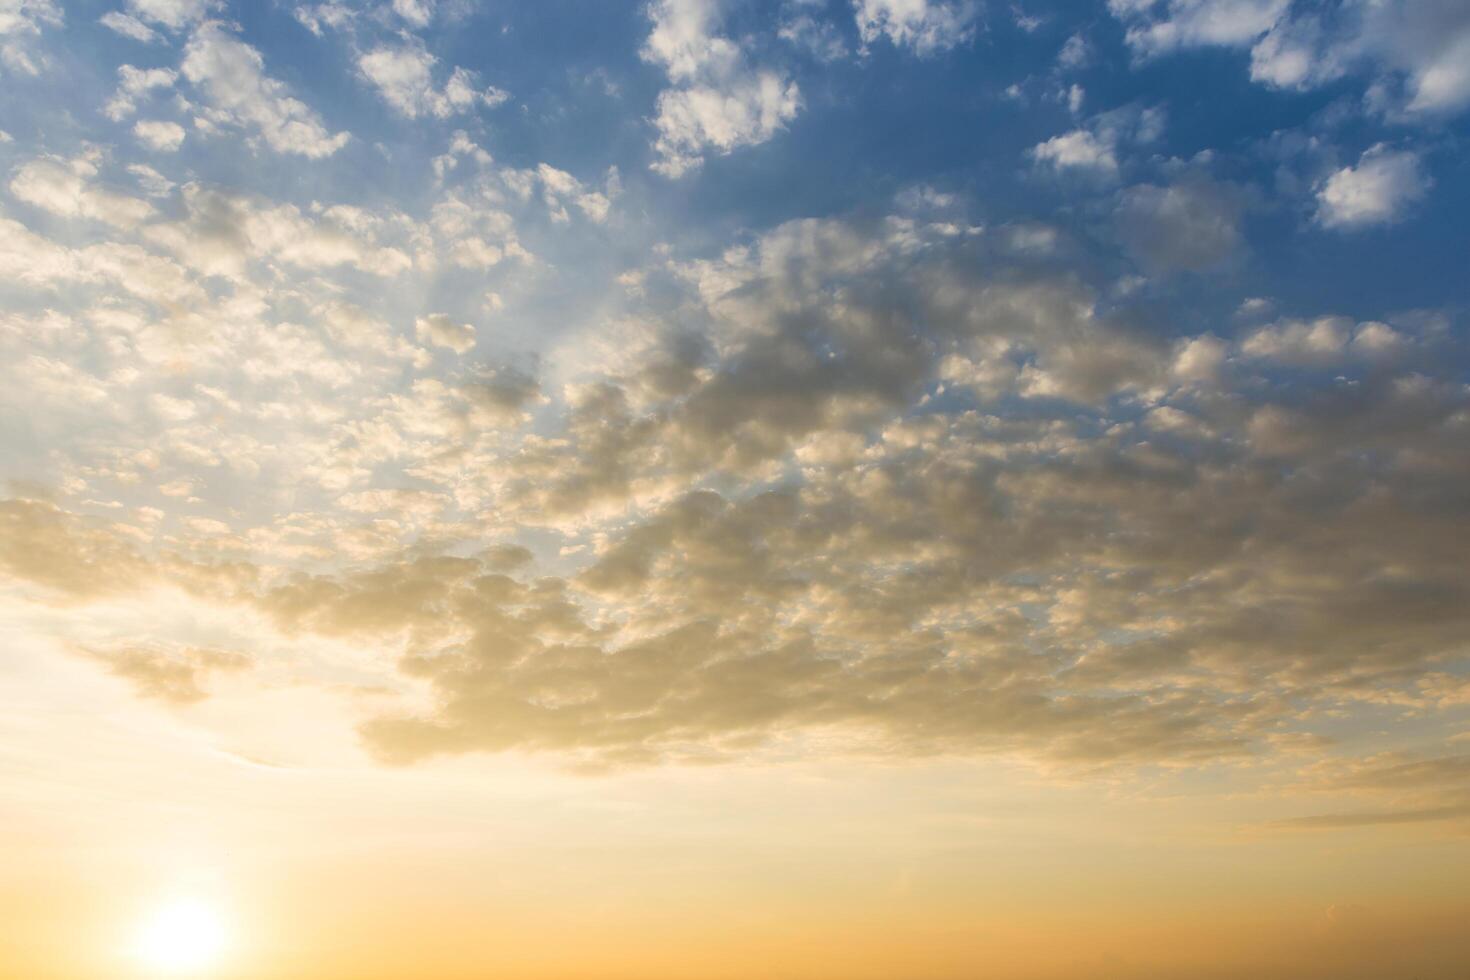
(182, 937)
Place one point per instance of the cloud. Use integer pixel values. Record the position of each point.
(20, 20)
(906, 579)
(404, 78)
(173, 14)
(160, 135)
(1078, 149)
(1155, 28)
(1095, 148)
(440, 330)
(44, 545)
(820, 39)
(1405, 788)
(1414, 51)
(135, 84)
(1374, 818)
(718, 103)
(129, 26)
(924, 26)
(318, 17)
(416, 12)
(154, 184)
(221, 233)
(177, 678)
(889, 482)
(1300, 342)
(1075, 53)
(231, 76)
(38, 262)
(1383, 185)
(739, 112)
(27, 16)
(67, 188)
(559, 187)
(1191, 224)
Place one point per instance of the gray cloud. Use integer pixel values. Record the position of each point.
(893, 486)
(1190, 224)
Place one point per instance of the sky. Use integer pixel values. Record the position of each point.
(797, 489)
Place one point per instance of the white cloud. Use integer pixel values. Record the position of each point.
(173, 14)
(439, 329)
(132, 85)
(1417, 52)
(404, 78)
(1292, 55)
(820, 39)
(65, 187)
(1199, 359)
(27, 16)
(318, 17)
(1156, 28)
(416, 12)
(231, 75)
(29, 258)
(222, 233)
(558, 187)
(720, 102)
(129, 26)
(1079, 149)
(460, 147)
(924, 26)
(743, 112)
(166, 137)
(154, 184)
(1300, 342)
(1095, 147)
(1379, 189)
(682, 39)
(1075, 52)
(18, 20)
(475, 236)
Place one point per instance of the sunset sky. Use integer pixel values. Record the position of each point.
(735, 489)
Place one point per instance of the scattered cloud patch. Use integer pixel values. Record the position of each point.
(925, 27)
(230, 75)
(1381, 188)
(129, 26)
(1192, 224)
(442, 331)
(176, 677)
(403, 76)
(717, 102)
(1416, 53)
(176, 15)
(134, 84)
(69, 188)
(160, 135)
(1079, 149)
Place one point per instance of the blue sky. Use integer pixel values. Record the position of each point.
(873, 119)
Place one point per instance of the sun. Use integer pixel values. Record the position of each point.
(182, 937)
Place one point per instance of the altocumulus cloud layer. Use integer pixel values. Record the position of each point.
(649, 410)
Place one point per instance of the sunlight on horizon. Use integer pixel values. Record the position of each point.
(183, 936)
